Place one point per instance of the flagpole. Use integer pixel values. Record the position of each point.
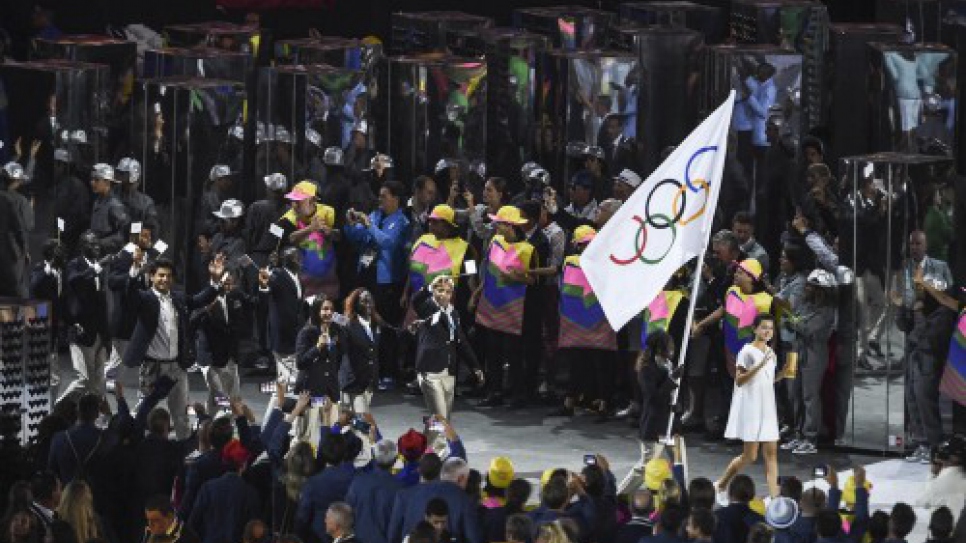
(682, 354)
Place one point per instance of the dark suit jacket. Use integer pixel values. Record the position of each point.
(435, 351)
(223, 507)
(122, 318)
(147, 308)
(284, 312)
(218, 335)
(319, 368)
(92, 445)
(358, 372)
(12, 246)
(371, 496)
(318, 493)
(733, 522)
(86, 304)
(206, 467)
(410, 508)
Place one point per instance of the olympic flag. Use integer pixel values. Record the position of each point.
(663, 225)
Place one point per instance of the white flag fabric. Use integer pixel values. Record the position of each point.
(663, 225)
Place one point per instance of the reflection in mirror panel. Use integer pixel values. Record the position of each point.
(913, 94)
(183, 127)
(892, 224)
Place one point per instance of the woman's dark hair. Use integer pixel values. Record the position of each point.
(764, 317)
(658, 343)
(420, 182)
(474, 485)
(701, 493)
(500, 185)
(795, 255)
(317, 304)
(517, 494)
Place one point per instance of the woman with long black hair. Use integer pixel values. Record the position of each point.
(319, 349)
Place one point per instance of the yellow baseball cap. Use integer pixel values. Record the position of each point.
(501, 472)
(584, 234)
(302, 191)
(752, 267)
(508, 215)
(443, 212)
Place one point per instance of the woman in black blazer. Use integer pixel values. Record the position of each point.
(360, 369)
(319, 349)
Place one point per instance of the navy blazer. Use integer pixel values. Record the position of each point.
(146, 307)
(86, 304)
(371, 496)
(410, 507)
(319, 368)
(435, 352)
(222, 509)
(218, 336)
(358, 372)
(319, 492)
(733, 523)
(89, 441)
(206, 467)
(284, 311)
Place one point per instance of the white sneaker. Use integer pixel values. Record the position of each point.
(790, 445)
(805, 447)
(918, 454)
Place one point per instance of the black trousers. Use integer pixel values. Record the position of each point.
(386, 297)
(504, 360)
(591, 373)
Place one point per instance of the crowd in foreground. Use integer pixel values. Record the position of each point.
(98, 476)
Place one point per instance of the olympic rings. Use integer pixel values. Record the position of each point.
(677, 216)
(661, 221)
(682, 194)
(640, 242)
(687, 169)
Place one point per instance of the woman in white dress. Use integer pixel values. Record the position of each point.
(754, 415)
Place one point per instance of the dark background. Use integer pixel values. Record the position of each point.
(350, 18)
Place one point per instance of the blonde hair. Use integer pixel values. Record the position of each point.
(77, 509)
(299, 466)
(441, 279)
(553, 532)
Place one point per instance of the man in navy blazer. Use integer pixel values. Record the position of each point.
(372, 494)
(89, 337)
(227, 503)
(324, 488)
(83, 449)
(464, 522)
(160, 336)
(281, 290)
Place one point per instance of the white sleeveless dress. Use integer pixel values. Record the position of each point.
(754, 415)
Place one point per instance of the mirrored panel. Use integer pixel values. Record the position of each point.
(183, 127)
(437, 109)
(913, 96)
(588, 99)
(895, 225)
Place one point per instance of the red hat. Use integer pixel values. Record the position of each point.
(234, 455)
(411, 445)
